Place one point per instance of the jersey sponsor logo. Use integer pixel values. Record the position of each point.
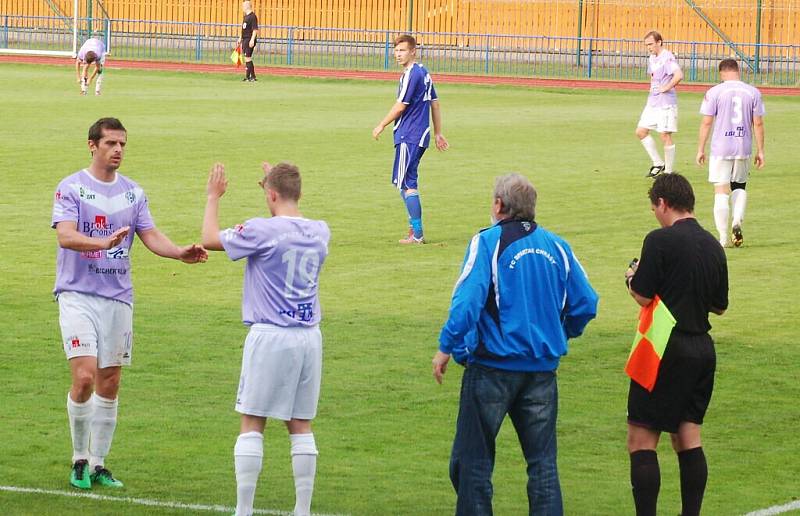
(87, 194)
(99, 228)
(304, 312)
(738, 133)
(118, 253)
(58, 195)
(239, 228)
(92, 255)
(94, 269)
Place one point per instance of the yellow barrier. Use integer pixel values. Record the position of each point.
(617, 19)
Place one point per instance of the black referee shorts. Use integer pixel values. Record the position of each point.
(683, 388)
(247, 50)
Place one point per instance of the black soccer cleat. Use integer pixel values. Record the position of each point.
(737, 239)
(655, 170)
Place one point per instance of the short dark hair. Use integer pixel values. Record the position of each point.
(728, 65)
(284, 178)
(90, 57)
(675, 190)
(97, 128)
(656, 35)
(406, 38)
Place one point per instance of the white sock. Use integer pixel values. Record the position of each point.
(721, 212)
(103, 424)
(304, 466)
(97, 83)
(84, 85)
(669, 159)
(248, 454)
(739, 201)
(80, 417)
(650, 146)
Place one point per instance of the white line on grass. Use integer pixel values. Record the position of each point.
(776, 509)
(143, 501)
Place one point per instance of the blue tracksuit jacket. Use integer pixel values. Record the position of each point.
(520, 296)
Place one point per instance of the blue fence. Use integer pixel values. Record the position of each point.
(474, 54)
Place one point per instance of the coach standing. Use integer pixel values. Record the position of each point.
(520, 296)
(685, 266)
(248, 40)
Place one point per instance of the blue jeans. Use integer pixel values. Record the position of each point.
(531, 400)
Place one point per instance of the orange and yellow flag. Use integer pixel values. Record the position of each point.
(236, 56)
(652, 334)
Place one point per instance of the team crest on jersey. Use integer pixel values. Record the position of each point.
(244, 25)
(130, 196)
(526, 226)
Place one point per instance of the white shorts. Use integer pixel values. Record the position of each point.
(281, 372)
(728, 170)
(661, 119)
(94, 326)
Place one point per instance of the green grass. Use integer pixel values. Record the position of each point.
(384, 427)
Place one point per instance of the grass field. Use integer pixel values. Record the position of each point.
(384, 428)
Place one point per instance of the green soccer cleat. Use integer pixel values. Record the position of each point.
(79, 476)
(104, 477)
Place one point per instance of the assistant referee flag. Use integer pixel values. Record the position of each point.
(652, 333)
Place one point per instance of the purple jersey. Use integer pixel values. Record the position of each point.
(99, 209)
(416, 91)
(662, 68)
(733, 104)
(281, 279)
(93, 45)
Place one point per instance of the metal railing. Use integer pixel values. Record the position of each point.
(473, 54)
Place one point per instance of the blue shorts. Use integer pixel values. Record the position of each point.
(406, 162)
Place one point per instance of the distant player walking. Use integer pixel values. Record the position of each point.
(661, 112)
(92, 52)
(282, 358)
(736, 111)
(248, 40)
(95, 214)
(416, 105)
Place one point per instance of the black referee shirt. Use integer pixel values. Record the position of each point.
(249, 24)
(685, 265)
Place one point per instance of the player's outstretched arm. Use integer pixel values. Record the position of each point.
(158, 243)
(70, 238)
(215, 189)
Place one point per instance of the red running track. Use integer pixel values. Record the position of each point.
(379, 76)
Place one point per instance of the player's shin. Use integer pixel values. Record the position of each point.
(104, 422)
(721, 214)
(414, 207)
(80, 417)
(248, 455)
(304, 467)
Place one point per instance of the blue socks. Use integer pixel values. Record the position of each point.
(414, 208)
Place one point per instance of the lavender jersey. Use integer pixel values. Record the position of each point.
(99, 209)
(281, 279)
(733, 104)
(93, 45)
(662, 68)
(416, 91)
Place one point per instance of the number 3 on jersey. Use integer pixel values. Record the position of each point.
(301, 275)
